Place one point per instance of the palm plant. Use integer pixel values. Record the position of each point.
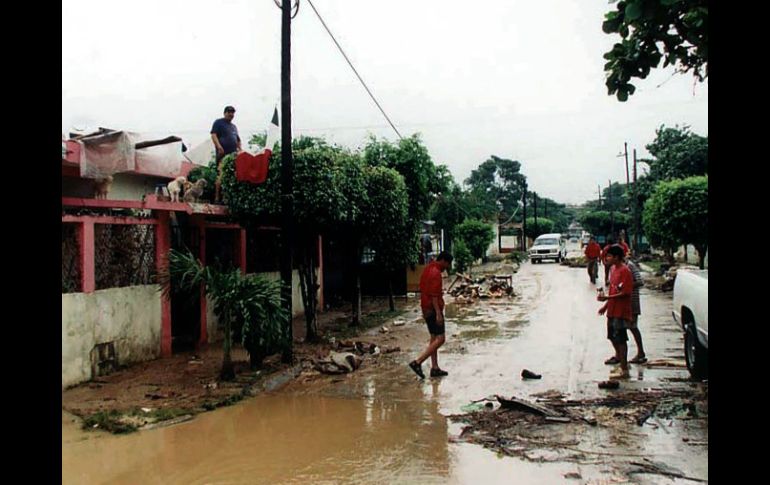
(246, 305)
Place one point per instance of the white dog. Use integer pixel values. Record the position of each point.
(175, 188)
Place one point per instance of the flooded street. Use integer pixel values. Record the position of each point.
(382, 425)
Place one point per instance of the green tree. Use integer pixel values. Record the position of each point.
(496, 187)
(248, 305)
(602, 223)
(389, 231)
(411, 159)
(328, 189)
(462, 255)
(477, 236)
(677, 153)
(449, 210)
(679, 27)
(677, 213)
(543, 226)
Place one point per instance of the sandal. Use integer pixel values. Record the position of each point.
(638, 360)
(612, 361)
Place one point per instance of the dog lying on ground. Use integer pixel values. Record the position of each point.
(194, 193)
(102, 187)
(175, 188)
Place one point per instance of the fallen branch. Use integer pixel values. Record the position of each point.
(657, 470)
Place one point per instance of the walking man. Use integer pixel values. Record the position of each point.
(432, 304)
(592, 253)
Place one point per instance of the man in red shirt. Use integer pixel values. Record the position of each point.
(432, 303)
(592, 252)
(607, 266)
(618, 308)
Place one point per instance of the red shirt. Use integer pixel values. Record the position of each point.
(625, 247)
(593, 250)
(431, 284)
(621, 282)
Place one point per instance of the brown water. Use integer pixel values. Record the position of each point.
(385, 426)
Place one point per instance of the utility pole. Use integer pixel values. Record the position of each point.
(287, 176)
(612, 214)
(599, 190)
(625, 150)
(524, 222)
(537, 228)
(637, 211)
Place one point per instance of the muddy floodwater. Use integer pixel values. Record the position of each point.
(383, 425)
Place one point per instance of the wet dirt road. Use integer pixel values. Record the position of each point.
(383, 425)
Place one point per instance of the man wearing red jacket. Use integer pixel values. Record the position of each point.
(618, 308)
(432, 303)
(592, 252)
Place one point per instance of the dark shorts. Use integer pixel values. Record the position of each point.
(433, 327)
(616, 330)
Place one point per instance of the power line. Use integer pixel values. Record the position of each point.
(354, 70)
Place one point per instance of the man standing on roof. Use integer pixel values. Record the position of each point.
(224, 134)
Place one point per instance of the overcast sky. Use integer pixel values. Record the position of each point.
(520, 79)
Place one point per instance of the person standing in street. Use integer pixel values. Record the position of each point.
(607, 266)
(592, 252)
(432, 304)
(618, 308)
(226, 140)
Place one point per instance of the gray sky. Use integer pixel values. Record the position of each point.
(520, 79)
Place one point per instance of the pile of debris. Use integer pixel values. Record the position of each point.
(489, 286)
(578, 262)
(664, 278)
(516, 426)
(349, 356)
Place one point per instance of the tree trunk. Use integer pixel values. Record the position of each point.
(701, 256)
(356, 320)
(227, 373)
(307, 287)
(391, 301)
(255, 359)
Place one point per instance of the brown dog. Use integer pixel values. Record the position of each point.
(102, 187)
(194, 193)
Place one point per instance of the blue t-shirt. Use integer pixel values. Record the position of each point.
(227, 133)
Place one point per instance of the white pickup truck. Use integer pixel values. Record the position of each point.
(691, 311)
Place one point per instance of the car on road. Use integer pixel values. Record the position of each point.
(548, 246)
(691, 311)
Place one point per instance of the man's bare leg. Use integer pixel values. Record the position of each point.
(436, 341)
(639, 346)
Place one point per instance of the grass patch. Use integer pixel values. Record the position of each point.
(109, 421)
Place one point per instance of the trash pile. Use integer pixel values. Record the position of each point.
(578, 262)
(514, 426)
(489, 286)
(349, 356)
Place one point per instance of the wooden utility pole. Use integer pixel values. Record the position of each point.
(287, 176)
(625, 150)
(537, 228)
(524, 222)
(612, 214)
(637, 211)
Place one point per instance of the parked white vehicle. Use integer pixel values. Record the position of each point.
(548, 246)
(691, 311)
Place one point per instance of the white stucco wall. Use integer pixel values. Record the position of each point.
(130, 317)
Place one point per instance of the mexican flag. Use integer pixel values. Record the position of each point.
(253, 168)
